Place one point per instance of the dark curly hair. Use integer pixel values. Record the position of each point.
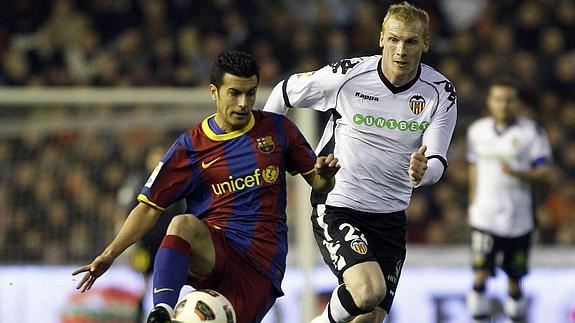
(234, 62)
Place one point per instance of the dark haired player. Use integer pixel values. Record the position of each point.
(230, 169)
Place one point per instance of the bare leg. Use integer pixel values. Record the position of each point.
(366, 284)
(377, 316)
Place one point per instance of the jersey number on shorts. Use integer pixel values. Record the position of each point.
(350, 237)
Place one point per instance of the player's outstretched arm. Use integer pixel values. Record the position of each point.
(321, 178)
(93, 270)
(141, 219)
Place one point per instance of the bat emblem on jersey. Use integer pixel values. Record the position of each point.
(208, 164)
(359, 246)
(417, 103)
(266, 144)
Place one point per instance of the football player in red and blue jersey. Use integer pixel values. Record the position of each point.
(230, 170)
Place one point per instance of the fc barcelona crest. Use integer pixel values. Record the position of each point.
(417, 103)
(266, 144)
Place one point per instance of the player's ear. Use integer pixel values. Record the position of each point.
(426, 45)
(381, 39)
(214, 92)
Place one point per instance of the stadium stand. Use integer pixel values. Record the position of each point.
(60, 185)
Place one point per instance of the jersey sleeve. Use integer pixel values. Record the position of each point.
(316, 90)
(169, 180)
(540, 150)
(438, 134)
(300, 157)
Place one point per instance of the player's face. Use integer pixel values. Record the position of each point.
(503, 103)
(234, 101)
(402, 46)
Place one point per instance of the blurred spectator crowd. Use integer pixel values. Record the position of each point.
(59, 193)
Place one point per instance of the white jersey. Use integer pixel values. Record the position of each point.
(375, 126)
(502, 204)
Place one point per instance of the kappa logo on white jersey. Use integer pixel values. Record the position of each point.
(366, 96)
(449, 88)
(344, 65)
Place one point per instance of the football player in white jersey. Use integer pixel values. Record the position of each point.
(506, 153)
(392, 119)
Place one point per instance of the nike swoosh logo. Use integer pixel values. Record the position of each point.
(159, 290)
(206, 165)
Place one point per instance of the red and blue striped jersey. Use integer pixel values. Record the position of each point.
(237, 182)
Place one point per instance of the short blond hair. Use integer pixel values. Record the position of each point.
(408, 13)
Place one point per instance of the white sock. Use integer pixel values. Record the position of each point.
(515, 309)
(338, 313)
(478, 305)
(322, 318)
(335, 309)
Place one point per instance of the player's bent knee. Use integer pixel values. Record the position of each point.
(366, 285)
(368, 295)
(187, 227)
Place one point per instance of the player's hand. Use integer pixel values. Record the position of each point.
(326, 166)
(417, 164)
(506, 168)
(92, 271)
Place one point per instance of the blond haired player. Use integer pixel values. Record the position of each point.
(392, 119)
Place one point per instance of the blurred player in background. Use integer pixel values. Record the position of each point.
(231, 170)
(392, 119)
(506, 153)
(144, 251)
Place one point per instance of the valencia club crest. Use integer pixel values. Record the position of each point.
(417, 104)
